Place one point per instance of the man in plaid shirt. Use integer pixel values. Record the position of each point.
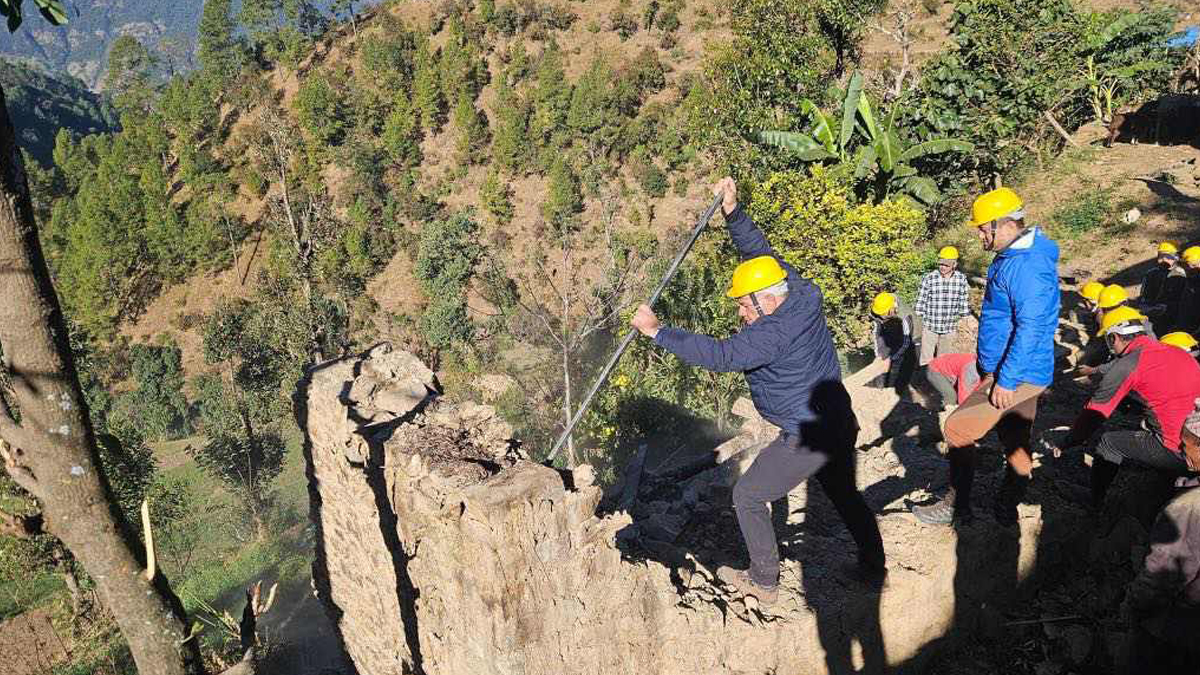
(941, 303)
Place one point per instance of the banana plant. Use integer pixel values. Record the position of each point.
(876, 151)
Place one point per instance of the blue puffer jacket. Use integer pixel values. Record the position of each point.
(786, 356)
(1020, 313)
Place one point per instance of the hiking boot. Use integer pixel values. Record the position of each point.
(1011, 492)
(944, 512)
(740, 580)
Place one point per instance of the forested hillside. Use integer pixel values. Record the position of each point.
(43, 104)
(493, 184)
(80, 48)
(168, 29)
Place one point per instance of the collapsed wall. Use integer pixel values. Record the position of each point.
(442, 549)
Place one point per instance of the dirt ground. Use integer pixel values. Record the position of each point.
(29, 645)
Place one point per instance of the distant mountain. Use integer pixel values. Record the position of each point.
(40, 104)
(80, 47)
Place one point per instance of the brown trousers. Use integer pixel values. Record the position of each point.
(977, 416)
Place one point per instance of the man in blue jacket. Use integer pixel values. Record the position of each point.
(787, 354)
(1016, 358)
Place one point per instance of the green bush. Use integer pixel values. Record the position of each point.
(851, 250)
(565, 201)
(622, 23)
(1087, 211)
(446, 259)
(496, 197)
(161, 408)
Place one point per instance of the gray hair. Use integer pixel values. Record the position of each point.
(779, 290)
(1019, 214)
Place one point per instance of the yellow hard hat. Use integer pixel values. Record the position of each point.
(948, 253)
(1191, 254)
(1180, 339)
(1167, 248)
(1091, 290)
(754, 275)
(883, 303)
(1121, 316)
(995, 204)
(1111, 296)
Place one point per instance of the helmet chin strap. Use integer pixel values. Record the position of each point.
(757, 307)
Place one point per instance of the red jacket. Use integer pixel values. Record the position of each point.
(1165, 378)
(959, 369)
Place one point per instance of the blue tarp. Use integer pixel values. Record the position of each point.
(1188, 37)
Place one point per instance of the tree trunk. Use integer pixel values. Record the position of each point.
(566, 365)
(52, 450)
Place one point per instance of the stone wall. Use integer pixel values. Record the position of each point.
(443, 550)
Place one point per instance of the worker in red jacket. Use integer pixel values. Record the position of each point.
(954, 376)
(1165, 378)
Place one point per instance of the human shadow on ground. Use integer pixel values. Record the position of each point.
(816, 536)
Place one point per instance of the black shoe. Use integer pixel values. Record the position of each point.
(945, 512)
(1011, 492)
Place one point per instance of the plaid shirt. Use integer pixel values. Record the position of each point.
(942, 301)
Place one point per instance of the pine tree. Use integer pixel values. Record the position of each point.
(471, 129)
(402, 134)
(427, 93)
(130, 77)
(220, 51)
(261, 20)
(460, 69)
(510, 145)
(551, 97)
(564, 200)
(589, 98)
(496, 197)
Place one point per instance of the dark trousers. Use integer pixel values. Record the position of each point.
(786, 462)
(1140, 447)
(944, 386)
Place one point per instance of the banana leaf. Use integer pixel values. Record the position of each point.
(849, 111)
(935, 147)
(802, 145)
(921, 188)
(1111, 31)
(52, 11)
(887, 146)
(822, 126)
(868, 118)
(866, 161)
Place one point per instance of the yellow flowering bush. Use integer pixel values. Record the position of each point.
(850, 249)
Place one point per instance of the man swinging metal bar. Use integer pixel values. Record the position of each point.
(786, 352)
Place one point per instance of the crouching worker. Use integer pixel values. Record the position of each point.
(1163, 601)
(1165, 378)
(895, 327)
(954, 376)
(786, 352)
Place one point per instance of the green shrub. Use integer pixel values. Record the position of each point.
(446, 259)
(1087, 211)
(159, 406)
(851, 250)
(496, 196)
(622, 23)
